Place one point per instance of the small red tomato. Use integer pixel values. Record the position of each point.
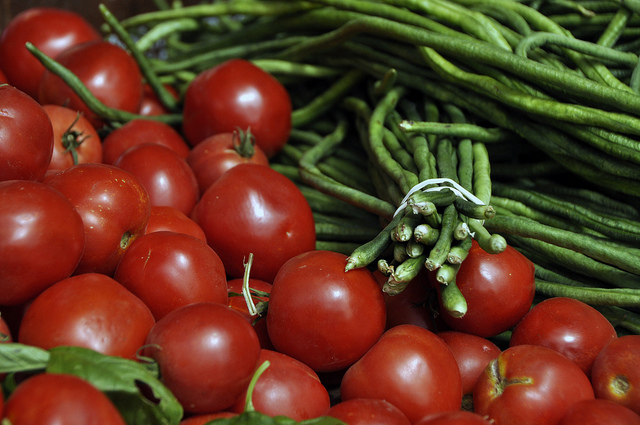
(168, 218)
(367, 411)
(238, 303)
(151, 104)
(599, 412)
(455, 418)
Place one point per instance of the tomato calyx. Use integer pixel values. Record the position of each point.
(72, 139)
(501, 382)
(244, 142)
(620, 385)
(126, 240)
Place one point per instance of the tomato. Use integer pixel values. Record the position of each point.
(90, 310)
(205, 418)
(567, 325)
(166, 176)
(168, 270)
(255, 209)
(106, 69)
(615, 374)
(207, 354)
(411, 368)
(51, 30)
(138, 132)
(473, 353)
(164, 217)
(599, 412)
(454, 418)
(114, 207)
(278, 390)
(151, 105)
(26, 136)
(52, 398)
(498, 288)
(529, 384)
(3, 78)
(238, 303)
(237, 94)
(321, 315)
(367, 411)
(41, 238)
(5, 332)
(75, 140)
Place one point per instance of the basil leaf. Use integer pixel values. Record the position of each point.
(15, 357)
(256, 418)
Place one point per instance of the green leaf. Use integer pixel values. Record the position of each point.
(15, 357)
(256, 418)
(139, 395)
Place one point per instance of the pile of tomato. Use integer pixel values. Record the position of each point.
(178, 247)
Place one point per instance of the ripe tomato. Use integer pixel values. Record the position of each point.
(615, 374)
(151, 105)
(166, 176)
(237, 94)
(223, 353)
(411, 368)
(90, 310)
(51, 30)
(255, 209)
(455, 418)
(599, 412)
(168, 270)
(239, 304)
(164, 217)
(52, 398)
(3, 78)
(321, 315)
(216, 154)
(409, 306)
(75, 140)
(569, 326)
(114, 207)
(367, 411)
(529, 384)
(41, 238)
(26, 136)
(138, 132)
(498, 288)
(106, 69)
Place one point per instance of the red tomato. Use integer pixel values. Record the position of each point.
(411, 368)
(569, 326)
(5, 332)
(599, 412)
(237, 94)
(278, 390)
(238, 303)
(26, 136)
(41, 238)
(51, 30)
(222, 355)
(168, 270)
(455, 418)
(498, 288)
(151, 105)
(164, 217)
(75, 140)
(530, 385)
(473, 353)
(205, 418)
(90, 310)
(321, 315)
(166, 176)
(255, 209)
(216, 154)
(615, 374)
(3, 78)
(367, 411)
(106, 69)
(138, 132)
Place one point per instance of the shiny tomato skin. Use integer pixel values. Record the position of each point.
(138, 132)
(367, 411)
(411, 368)
(255, 209)
(151, 104)
(599, 412)
(114, 207)
(321, 315)
(240, 305)
(3, 78)
(615, 374)
(207, 354)
(454, 418)
(498, 288)
(237, 94)
(106, 69)
(41, 236)
(90, 310)
(168, 270)
(168, 218)
(166, 176)
(569, 326)
(72, 131)
(51, 30)
(61, 399)
(530, 385)
(26, 136)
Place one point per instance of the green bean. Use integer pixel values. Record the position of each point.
(164, 29)
(481, 173)
(438, 254)
(426, 234)
(414, 248)
(403, 231)
(459, 251)
(621, 297)
(452, 299)
(472, 131)
(614, 29)
(343, 231)
(367, 253)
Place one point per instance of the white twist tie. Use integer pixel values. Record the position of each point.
(454, 187)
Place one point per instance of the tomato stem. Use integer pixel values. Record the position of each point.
(126, 240)
(244, 142)
(248, 406)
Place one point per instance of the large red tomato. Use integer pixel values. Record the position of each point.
(367, 411)
(530, 385)
(599, 412)
(51, 30)
(237, 94)
(254, 209)
(168, 218)
(411, 368)
(41, 238)
(26, 136)
(323, 316)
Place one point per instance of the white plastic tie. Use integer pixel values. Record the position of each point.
(453, 186)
